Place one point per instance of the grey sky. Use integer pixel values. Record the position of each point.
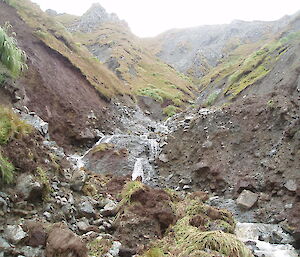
(151, 17)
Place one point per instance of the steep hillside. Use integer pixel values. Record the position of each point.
(112, 43)
(52, 86)
(194, 51)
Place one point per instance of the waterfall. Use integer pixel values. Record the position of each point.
(138, 170)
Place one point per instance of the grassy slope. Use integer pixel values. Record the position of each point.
(150, 76)
(55, 36)
(247, 64)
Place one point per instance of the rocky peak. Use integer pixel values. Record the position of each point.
(94, 17)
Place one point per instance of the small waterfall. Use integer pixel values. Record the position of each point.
(138, 170)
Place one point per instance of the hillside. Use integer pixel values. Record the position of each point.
(91, 165)
(112, 43)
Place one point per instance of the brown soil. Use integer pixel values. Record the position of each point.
(55, 90)
(252, 144)
(63, 242)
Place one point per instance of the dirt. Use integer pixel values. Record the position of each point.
(57, 91)
(251, 144)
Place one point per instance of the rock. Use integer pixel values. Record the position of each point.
(78, 180)
(4, 245)
(185, 181)
(63, 242)
(3, 204)
(98, 222)
(109, 209)
(207, 144)
(14, 233)
(86, 209)
(163, 158)
(115, 249)
(29, 188)
(37, 234)
(291, 185)
(247, 199)
(31, 252)
(186, 187)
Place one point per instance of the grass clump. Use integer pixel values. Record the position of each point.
(7, 170)
(11, 56)
(170, 110)
(154, 252)
(129, 189)
(44, 180)
(99, 246)
(11, 126)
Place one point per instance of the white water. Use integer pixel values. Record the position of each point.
(252, 232)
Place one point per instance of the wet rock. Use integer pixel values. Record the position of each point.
(78, 180)
(29, 188)
(14, 234)
(247, 199)
(86, 209)
(63, 242)
(291, 185)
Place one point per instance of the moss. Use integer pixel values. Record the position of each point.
(11, 126)
(129, 189)
(170, 110)
(7, 170)
(103, 147)
(89, 189)
(44, 180)
(154, 252)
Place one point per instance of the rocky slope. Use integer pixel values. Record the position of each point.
(194, 51)
(197, 184)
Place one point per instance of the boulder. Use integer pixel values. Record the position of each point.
(63, 242)
(14, 234)
(78, 180)
(247, 199)
(86, 209)
(29, 188)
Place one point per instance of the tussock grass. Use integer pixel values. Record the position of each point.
(7, 170)
(11, 126)
(11, 56)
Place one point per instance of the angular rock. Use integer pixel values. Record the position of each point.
(109, 209)
(63, 242)
(86, 209)
(291, 185)
(29, 188)
(14, 233)
(78, 180)
(115, 249)
(247, 199)
(163, 158)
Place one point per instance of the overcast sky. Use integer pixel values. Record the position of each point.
(151, 17)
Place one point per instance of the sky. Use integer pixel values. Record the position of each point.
(148, 18)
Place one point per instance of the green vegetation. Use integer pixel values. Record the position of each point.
(11, 55)
(212, 98)
(7, 170)
(44, 180)
(170, 110)
(11, 126)
(129, 189)
(103, 147)
(99, 246)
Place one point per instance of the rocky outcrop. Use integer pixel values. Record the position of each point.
(93, 18)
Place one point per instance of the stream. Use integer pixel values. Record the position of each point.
(143, 141)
